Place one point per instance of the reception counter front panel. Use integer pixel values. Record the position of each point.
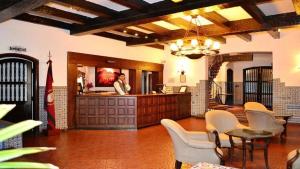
(130, 111)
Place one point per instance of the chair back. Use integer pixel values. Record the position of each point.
(222, 120)
(260, 120)
(254, 106)
(177, 134)
(293, 161)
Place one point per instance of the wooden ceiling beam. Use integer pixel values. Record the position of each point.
(112, 36)
(245, 36)
(140, 34)
(240, 27)
(220, 21)
(251, 8)
(88, 7)
(157, 46)
(274, 33)
(19, 7)
(154, 28)
(187, 25)
(297, 6)
(43, 21)
(49, 11)
(158, 9)
(133, 4)
(7, 3)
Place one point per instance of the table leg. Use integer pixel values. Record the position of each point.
(244, 152)
(285, 125)
(230, 150)
(251, 149)
(267, 141)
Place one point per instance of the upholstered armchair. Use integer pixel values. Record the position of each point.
(220, 121)
(293, 159)
(260, 118)
(191, 146)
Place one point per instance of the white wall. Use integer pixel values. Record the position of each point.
(195, 70)
(39, 39)
(237, 67)
(286, 52)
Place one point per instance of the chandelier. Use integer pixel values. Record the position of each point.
(197, 47)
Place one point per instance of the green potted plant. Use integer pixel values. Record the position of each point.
(16, 129)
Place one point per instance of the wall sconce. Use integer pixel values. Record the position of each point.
(182, 77)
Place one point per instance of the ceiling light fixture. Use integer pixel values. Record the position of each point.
(176, 1)
(195, 48)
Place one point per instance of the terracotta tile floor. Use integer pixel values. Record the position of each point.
(147, 148)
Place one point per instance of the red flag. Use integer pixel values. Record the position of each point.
(49, 101)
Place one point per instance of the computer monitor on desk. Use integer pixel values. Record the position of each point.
(159, 88)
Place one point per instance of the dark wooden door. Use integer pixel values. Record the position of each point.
(258, 85)
(19, 85)
(229, 87)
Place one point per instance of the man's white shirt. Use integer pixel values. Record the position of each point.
(118, 87)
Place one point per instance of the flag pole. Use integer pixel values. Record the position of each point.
(49, 101)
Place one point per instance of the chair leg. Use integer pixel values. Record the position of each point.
(178, 164)
(229, 151)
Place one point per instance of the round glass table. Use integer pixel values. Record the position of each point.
(251, 135)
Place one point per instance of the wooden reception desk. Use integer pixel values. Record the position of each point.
(96, 111)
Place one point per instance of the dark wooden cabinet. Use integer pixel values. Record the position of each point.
(105, 112)
(130, 112)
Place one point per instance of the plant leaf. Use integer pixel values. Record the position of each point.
(14, 153)
(18, 128)
(27, 165)
(5, 108)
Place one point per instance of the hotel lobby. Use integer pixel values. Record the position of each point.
(150, 84)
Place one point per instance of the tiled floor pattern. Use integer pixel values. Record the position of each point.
(147, 148)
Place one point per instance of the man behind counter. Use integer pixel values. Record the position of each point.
(121, 86)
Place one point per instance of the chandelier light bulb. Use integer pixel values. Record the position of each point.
(174, 47)
(216, 45)
(179, 43)
(189, 18)
(194, 42)
(208, 43)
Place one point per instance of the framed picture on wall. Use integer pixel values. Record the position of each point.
(105, 77)
(182, 89)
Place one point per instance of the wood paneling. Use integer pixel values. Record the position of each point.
(105, 112)
(130, 112)
(152, 108)
(135, 73)
(96, 60)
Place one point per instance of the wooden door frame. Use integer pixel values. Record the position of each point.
(35, 81)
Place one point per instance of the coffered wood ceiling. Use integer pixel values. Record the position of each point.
(156, 22)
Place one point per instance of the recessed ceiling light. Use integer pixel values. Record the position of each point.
(176, 1)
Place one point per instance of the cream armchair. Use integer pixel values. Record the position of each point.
(192, 147)
(260, 118)
(293, 159)
(220, 121)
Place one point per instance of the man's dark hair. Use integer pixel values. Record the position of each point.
(121, 74)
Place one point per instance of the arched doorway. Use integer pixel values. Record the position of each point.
(229, 87)
(19, 84)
